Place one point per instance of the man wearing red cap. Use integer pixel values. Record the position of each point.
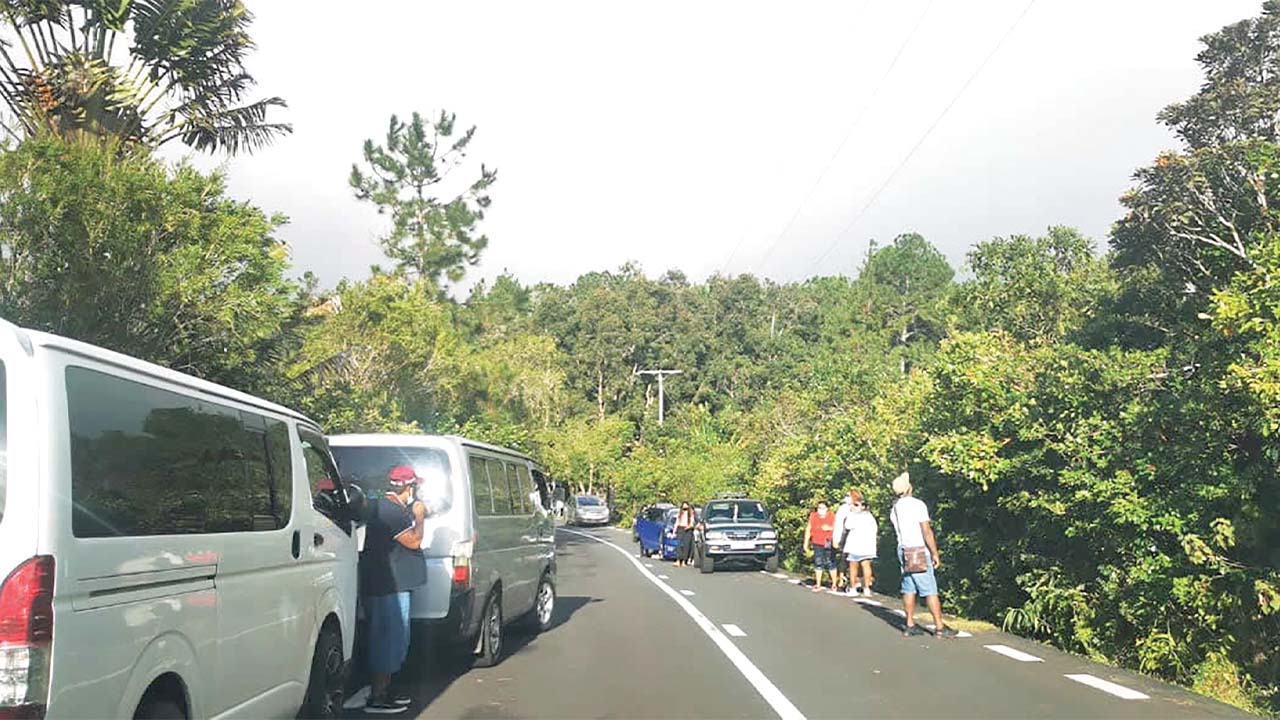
(391, 565)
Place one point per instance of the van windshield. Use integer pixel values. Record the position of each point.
(368, 467)
(4, 441)
(587, 500)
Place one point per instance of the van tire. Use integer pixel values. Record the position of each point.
(160, 708)
(539, 617)
(327, 683)
(491, 632)
(771, 565)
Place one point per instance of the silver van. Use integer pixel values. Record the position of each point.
(168, 547)
(489, 541)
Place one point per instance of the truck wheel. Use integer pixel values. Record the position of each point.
(326, 686)
(544, 606)
(491, 632)
(159, 709)
(771, 565)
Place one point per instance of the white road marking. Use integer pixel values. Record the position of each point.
(687, 593)
(902, 613)
(1009, 652)
(781, 576)
(795, 582)
(770, 692)
(664, 577)
(1119, 691)
(868, 601)
(734, 630)
(959, 634)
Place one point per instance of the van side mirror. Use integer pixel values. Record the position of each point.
(357, 502)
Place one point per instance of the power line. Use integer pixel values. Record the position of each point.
(876, 195)
(857, 122)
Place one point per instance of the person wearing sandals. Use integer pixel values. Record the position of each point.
(919, 556)
(859, 530)
(819, 536)
(685, 520)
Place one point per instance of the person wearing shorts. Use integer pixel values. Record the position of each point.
(859, 531)
(910, 519)
(819, 535)
(391, 565)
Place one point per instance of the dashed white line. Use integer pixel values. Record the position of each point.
(1009, 652)
(664, 577)
(687, 593)
(868, 601)
(734, 630)
(902, 613)
(795, 582)
(1119, 691)
(781, 576)
(763, 685)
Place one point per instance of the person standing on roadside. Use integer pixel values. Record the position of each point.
(918, 553)
(819, 537)
(391, 565)
(841, 531)
(859, 546)
(685, 520)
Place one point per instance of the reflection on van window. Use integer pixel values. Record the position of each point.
(368, 467)
(322, 477)
(4, 439)
(480, 490)
(498, 482)
(146, 461)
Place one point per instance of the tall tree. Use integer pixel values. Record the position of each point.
(145, 72)
(900, 288)
(433, 231)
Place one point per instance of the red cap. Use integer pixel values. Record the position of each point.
(402, 475)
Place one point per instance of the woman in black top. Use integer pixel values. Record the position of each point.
(685, 520)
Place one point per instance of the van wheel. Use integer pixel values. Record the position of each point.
(708, 564)
(771, 565)
(326, 686)
(491, 633)
(159, 709)
(544, 607)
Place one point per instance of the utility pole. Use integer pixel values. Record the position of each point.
(661, 375)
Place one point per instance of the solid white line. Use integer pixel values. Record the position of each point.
(734, 630)
(770, 692)
(1119, 691)
(1009, 652)
(687, 593)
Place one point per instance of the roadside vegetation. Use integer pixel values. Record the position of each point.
(1094, 422)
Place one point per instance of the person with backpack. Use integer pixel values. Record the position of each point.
(391, 565)
(919, 556)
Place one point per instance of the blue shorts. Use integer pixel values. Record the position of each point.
(859, 558)
(923, 584)
(388, 631)
(823, 558)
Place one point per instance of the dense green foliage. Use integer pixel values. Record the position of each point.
(1096, 434)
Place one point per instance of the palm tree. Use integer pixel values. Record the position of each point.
(146, 72)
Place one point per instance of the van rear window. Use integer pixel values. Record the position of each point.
(147, 461)
(368, 467)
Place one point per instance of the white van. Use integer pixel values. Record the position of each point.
(489, 542)
(169, 548)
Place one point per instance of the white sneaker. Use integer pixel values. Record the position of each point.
(866, 592)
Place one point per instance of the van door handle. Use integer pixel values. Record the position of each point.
(317, 539)
(297, 544)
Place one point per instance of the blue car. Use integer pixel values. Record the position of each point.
(650, 529)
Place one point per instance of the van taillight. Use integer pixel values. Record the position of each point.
(462, 552)
(26, 634)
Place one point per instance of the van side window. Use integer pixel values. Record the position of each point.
(523, 488)
(544, 493)
(148, 461)
(271, 491)
(498, 481)
(280, 466)
(480, 491)
(322, 477)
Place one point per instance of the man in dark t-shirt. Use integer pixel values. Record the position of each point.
(391, 564)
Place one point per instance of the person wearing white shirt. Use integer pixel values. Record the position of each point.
(859, 548)
(842, 516)
(910, 517)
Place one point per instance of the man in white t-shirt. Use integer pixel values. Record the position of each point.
(910, 517)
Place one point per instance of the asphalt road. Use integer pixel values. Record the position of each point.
(630, 643)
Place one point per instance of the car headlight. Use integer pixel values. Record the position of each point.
(715, 534)
(768, 535)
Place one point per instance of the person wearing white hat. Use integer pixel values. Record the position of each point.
(918, 553)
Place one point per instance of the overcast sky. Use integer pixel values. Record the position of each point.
(690, 134)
